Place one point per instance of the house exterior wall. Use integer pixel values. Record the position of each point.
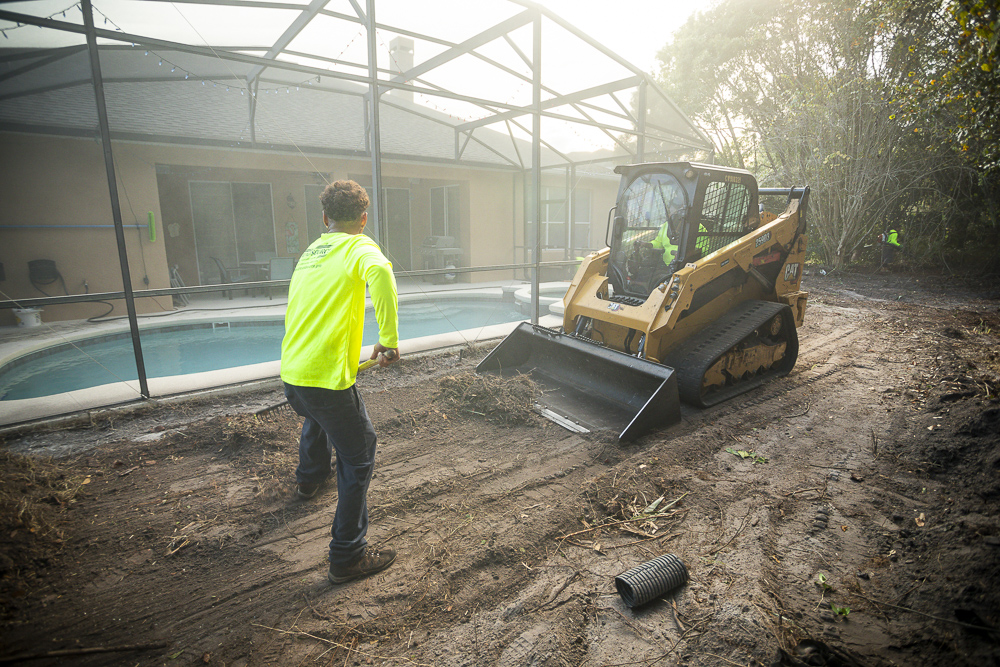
(48, 181)
(54, 180)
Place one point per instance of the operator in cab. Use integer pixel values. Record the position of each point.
(662, 241)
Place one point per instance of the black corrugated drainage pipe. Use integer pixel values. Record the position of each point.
(651, 580)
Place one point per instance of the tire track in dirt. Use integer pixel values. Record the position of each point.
(458, 515)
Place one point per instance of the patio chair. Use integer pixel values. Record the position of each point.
(279, 268)
(229, 276)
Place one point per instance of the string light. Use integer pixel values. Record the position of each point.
(51, 16)
(188, 75)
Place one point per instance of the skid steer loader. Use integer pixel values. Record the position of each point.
(696, 298)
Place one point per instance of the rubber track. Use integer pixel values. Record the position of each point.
(691, 364)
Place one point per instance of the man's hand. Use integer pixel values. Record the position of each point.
(385, 355)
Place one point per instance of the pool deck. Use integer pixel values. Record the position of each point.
(16, 342)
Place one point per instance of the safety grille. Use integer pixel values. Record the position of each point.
(725, 215)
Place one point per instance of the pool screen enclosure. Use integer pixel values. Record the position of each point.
(158, 153)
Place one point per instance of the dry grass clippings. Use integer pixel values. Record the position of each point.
(267, 448)
(503, 400)
(33, 492)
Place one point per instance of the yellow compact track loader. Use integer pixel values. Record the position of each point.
(696, 298)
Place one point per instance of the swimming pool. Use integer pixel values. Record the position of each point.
(211, 346)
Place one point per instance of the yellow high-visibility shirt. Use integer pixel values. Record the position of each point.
(325, 320)
(662, 240)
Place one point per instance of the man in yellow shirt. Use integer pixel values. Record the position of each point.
(663, 242)
(324, 324)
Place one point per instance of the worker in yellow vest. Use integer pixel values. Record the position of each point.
(890, 244)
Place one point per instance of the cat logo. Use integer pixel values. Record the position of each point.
(614, 307)
(791, 272)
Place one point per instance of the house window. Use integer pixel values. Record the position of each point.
(314, 214)
(553, 217)
(232, 223)
(396, 214)
(581, 220)
(445, 217)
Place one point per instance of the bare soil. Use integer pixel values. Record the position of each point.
(861, 525)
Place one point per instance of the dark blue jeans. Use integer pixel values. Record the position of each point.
(337, 420)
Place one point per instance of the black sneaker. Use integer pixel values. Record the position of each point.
(374, 560)
(307, 491)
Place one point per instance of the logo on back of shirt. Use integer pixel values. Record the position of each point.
(312, 255)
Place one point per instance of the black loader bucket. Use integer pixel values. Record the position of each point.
(585, 386)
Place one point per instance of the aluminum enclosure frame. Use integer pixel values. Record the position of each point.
(631, 130)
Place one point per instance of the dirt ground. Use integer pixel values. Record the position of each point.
(861, 525)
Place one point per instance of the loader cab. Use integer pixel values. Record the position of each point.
(694, 208)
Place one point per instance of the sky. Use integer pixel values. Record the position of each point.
(635, 29)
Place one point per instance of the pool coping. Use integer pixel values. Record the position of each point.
(21, 411)
(19, 349)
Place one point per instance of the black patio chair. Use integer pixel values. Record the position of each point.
(229, 276)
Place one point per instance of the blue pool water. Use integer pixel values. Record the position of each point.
(196, 348)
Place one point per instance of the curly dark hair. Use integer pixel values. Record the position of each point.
(344, 201)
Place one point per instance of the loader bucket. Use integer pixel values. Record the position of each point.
(592, 387)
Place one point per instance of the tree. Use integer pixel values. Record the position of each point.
(821, 92)
(948, 98)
